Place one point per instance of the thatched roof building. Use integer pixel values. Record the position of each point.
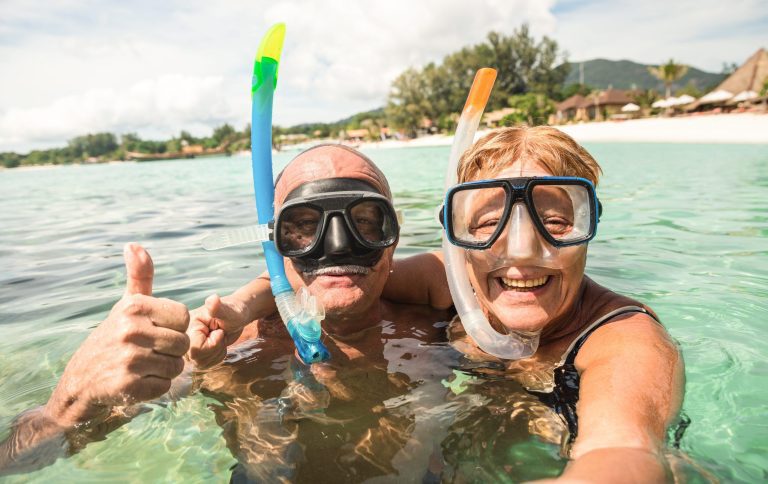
(750, 76)
(747, 78)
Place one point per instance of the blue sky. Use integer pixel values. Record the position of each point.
(75, 66)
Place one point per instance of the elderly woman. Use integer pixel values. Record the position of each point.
(525, 210)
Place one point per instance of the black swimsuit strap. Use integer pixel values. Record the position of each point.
(608, 318)
(565, 394)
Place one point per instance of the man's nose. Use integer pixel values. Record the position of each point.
(337, 237)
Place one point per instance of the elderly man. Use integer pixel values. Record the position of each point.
(277, 412)
(347, 276)
(344, 256)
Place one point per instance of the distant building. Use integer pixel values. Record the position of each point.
(356, 134)
(749, 77)
(597, 106)
(601, 105)
(745, 83)
(493, 118)
(567, 110)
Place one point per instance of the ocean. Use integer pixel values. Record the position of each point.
(684, 229)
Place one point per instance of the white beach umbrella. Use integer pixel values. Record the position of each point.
(661, 103)
(716, 97)
(630, 108)
(744, 96)
(684, 99)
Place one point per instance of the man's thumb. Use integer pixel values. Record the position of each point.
(213, 305)
(139, 270)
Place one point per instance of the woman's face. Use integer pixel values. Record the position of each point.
(522, 281)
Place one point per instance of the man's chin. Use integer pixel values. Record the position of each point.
(339, 300)
(338, 292)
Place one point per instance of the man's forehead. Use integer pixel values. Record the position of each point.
(329, 162)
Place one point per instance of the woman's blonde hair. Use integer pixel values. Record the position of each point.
(555, 150)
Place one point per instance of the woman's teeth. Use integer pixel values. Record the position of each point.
(524, 283)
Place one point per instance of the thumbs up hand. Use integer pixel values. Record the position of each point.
(132, 356)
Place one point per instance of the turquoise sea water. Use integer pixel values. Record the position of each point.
(684, 229)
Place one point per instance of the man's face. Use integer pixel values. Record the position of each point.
(345, 288)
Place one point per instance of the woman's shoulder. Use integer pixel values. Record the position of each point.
(630, 330)
(599, 301)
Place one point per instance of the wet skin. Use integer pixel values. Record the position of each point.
(330, 421)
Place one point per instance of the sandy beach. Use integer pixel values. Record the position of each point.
(715, 128)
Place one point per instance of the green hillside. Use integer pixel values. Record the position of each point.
(625, 74)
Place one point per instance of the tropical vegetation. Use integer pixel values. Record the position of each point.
(533, 74)
(669, 73)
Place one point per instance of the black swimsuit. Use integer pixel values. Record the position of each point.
(565, 393)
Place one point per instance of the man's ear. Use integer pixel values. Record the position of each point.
(389, 253)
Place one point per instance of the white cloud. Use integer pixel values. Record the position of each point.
(87, 65)
(161, 106)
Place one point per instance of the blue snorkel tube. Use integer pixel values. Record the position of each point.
(301, 315)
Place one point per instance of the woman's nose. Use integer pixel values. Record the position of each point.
(522, 239)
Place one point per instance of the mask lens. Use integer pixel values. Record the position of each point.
(373, 222)
(299, 227)
(476, 213)
(563, 210)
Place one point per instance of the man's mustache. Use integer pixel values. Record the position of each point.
(339, 271)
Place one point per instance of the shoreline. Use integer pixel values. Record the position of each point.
(740, 128)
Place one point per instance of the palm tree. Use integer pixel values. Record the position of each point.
(644, 99)
(668, 73)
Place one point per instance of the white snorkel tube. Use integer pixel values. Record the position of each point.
(514, 345)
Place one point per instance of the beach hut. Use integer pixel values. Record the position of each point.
(567, 110)
(749, 77)
(602, 105)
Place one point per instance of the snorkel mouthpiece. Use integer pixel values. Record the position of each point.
(301, 315)
(514, 345)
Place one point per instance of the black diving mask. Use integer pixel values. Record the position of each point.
(335, 222)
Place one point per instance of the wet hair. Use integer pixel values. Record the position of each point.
(550, 147)
(379, 174)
